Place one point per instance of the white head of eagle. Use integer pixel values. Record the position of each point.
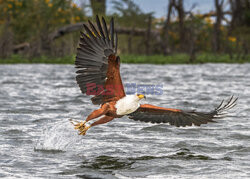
(129, 104)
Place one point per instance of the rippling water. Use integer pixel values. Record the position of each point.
(37, 140)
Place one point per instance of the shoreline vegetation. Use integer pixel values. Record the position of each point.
(134, 59)
(186, 36)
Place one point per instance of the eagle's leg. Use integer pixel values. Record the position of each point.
(97, 113)
(81, 126)
(103, 120)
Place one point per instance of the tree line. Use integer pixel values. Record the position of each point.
(51, 28)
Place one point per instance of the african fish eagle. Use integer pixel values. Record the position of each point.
(98, 74)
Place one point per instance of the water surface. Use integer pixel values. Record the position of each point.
(37, 140)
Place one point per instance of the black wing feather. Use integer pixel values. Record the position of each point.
(92, 55)
(182, 118)
(112, 32)
(105, 29)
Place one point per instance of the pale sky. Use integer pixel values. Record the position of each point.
(159, 7)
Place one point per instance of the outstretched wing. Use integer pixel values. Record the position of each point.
(99, 67)
(176, 117)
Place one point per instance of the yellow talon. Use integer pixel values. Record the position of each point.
(81, 126)
(83, 130)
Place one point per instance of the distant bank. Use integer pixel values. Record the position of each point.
(137, 59)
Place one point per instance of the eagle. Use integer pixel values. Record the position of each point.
(98, 75)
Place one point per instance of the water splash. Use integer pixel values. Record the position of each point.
(59, 137)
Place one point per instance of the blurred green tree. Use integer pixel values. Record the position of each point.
(98, 7)
(129, 14)
(32, 20)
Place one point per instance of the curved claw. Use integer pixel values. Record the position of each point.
(80, 126)
(83, 131)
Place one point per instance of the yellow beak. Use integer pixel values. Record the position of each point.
(141, 96)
